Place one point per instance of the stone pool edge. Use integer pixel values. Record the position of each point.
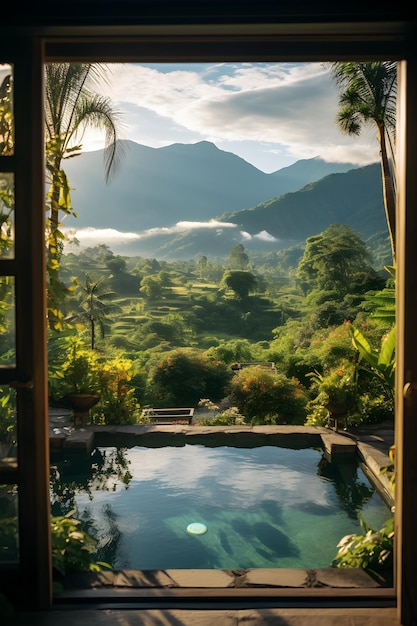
(144, 581)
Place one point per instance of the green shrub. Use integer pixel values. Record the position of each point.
(371, 551)
(72, 548)
(183, 377)
(265, 397)
(374, 410)
(317, 415)
(234, 350)
(228, 417)
(332, 345)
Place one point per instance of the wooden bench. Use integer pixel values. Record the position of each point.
(267, 365)
(170, 415)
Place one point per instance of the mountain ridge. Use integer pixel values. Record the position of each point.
(169, 199)
(158, 187)
(354, 198)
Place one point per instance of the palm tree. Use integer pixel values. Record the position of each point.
(368, 96)
(95, 305)
(71, 108)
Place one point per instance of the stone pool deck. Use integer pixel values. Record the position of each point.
(228, 584)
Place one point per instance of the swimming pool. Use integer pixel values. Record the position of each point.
(257, 507)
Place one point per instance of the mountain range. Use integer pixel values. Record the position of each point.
(185, 200)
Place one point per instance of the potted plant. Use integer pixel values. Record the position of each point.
(336, 388)
(79, 380)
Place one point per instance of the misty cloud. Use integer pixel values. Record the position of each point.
(92, 236)
(186, 225)
(265, 236)
(86, 237)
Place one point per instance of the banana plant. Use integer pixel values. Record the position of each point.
(382, 363)
(382, 304)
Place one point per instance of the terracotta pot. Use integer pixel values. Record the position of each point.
(81, 403)
(337, 408)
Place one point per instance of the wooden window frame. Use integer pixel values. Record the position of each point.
(29, 49)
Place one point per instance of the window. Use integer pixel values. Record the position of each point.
(204, 43)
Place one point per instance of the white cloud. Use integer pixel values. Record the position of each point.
(186, 225)
(271, 114)
(265, 236)
(93, 236)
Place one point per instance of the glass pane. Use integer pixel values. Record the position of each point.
(6, 110)
(7, 322)
(8, 430)
(6, 215)
(9, 538)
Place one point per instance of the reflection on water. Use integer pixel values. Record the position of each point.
(263, 507)
(104, 470)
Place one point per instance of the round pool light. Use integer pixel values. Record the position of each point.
(196, 528)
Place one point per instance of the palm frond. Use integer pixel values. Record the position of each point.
(70, 107)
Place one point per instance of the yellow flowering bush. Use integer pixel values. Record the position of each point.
(118, 404)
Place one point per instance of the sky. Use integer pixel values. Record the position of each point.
(270, 114)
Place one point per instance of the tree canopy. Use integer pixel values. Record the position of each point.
(331, 260)
(240, 282)
(238, 259)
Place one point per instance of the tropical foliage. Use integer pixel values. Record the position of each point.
(382, 363)
(178, 347)
(73, 549)
(371, 551)
(95, 304)
(118, 403)
(77, 372)
(71, 106)
(77, 369)
(337, 387)
(7, 414)
(368, 94)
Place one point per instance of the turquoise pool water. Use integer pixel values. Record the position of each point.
(261, 507)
